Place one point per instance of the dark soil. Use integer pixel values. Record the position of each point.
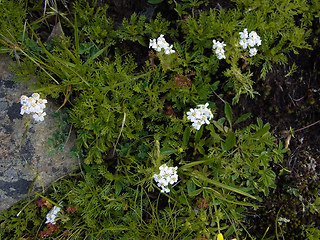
(291, 102)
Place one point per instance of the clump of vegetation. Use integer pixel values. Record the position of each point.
(130, 90)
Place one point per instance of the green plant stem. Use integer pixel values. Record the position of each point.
(216, 210)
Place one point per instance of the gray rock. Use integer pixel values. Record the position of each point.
(3, 107)
(25, 163)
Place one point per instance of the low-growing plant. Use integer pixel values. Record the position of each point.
(59, 138)
(312, 232)
(225, 167)
(131, 90)
(12, 22)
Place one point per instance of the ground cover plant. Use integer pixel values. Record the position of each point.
(162, 102)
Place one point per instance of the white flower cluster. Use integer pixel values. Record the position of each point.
(160, 43)
(34, 105)
(167, 175)
(51, 216)
(283, 220)
(218, 46)
(250, 40)
(200, 115)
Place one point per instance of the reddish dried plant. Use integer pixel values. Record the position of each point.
(50, 229)
(71, 209)
(203, 204)
(182, 80)
(152, 56)
(169, 110)
(42, 202)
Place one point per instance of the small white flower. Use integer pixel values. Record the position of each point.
(158, 47)
(42, 103)
(163, 168)
(173, 178)
(203, 106)
(165, 190)
(161, 38)
(167, 175)
(214, 46)
(51, 216)
(163, 44)
(253, 52)
(244, 34)
(39, 117)
(157, 177)
(249, 41)
(200, 115)
(207, 113)
(205, 119)
(253, 39)
(35, 108)
(283, 220)
(160, 43)
(218, 46)
(24, 109)
(197, 124)
(163, 182)
(23, 99)
(153, 43)
(30, 100)
(35, 96)
(33, 105)
(221, 56)
(244, 43)
(193, 114)
(258, 41)
(169, 50)
(172, 170)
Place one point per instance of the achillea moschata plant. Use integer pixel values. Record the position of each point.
(128, 94)
(33, 105)
(167, 175)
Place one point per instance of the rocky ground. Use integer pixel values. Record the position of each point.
(25, 161)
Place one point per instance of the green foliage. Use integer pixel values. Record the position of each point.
(133, 29)
(312, 232)
(278, 24)
(128, 106)
(60, 137)
(283, 31)
(157, 26)
(239, 157)
(12, 17)
(234, 165)
(30, 220)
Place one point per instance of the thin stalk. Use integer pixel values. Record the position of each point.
(310, 125)
(265, 233)
(216, 210)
